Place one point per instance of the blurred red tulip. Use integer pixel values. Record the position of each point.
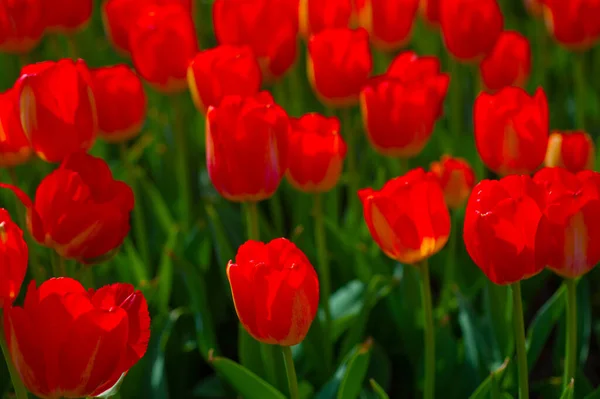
(457, 179)
(408, 218)
(58, 110)
(511, 130)
(502, 231)
(275, 291)
(339, 64)
(575, 23)
(534, 7)
(247, 146)
(66, 15)
(508, 64)
(21, 25)
(317, 152)
(121, 102)
(221, 71)
(574, 151)
(318, 15)
(389, 22)
(400, 108)
(15, 148)
(430, 11)
(79, 210)
(162, 42)
(269, 27)
(14, 255)
(470, 27)
(70, 342)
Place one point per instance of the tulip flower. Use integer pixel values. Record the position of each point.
(470, 27)
(221, 71)
(66, 15)
(14, 254)
(120, 101)
(389, 22)
(574, 151)
(457, 179)
(400, 108)
(15, 148)
(70, 342)
(574, 23)
(247, 146)
(269, 27)
(79, 210)
(58, 110)
(511, 130)
(508, 64)
(21, 25)
(339, 64)
(430, 11)
(534, 7)
(318, 15)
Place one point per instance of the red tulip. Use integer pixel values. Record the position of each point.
(21, 25)
(79, 210)
(269, 27)
(430, 11)
(573, 23)
(572, 234)
(511, 130)
(221, 71)
(121, 102)
(14, 255)
(66, 15)
(58, 110)
(15, 148)
(534, 7)
(275, 291)
(456, 178)
(339, 64)
(502, 230)
(247, 146)
(508, 64)
(574, 151)
(162, 42)
(317, 152)
(70, 342)
(400, 108)
(318, 15)
(408, 217)
(470, 27)
(389, 22)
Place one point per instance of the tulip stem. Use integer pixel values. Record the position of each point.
(291, 372)
(181, 162)
(353, 176)
(20, 391)
(456, 110)
(580, 90)
(429, 387)
(571, 341)
(519, 326)
(252, 226)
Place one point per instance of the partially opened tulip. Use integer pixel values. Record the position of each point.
(509, 63)
(574, 151)
(21, 25)
(69, 342)
(457, 179)
(318, 15)
(15, 147)
(574, 23)
(66, 15)
(14, 255)
(389, 22)
(430, 11)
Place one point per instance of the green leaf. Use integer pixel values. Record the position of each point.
(330, 389)
(378, 389)
(355, 372)
(159, 205)
(223, 247)
(594, 395)
(568, 392)
(584, 320)
(305, 390)
(498, 301)
(165, 273)
(490, 386)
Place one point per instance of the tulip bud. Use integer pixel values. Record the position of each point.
(508, 64)
(15, 148)
(21, 25)
(574, 151)
(456, 178)
(430, 11)
(66, 16)
(574, 23)
(14, 254)
(318, 15)
(389, 22)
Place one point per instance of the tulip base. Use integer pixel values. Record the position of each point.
(20, 391)
(429, 386)
(519, 327)
(571, 338)
(290, 371)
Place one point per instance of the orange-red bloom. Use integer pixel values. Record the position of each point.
(574, 151)
(79, 210)
(70, 342)
(430, 11)
(15, 148)
(457, 179)
(511, 130)
(58, 111)
(247, 146)
(573, 23)
(21, 25)
(269, 27)
(339, 64)
(408, 218)
(221, 71)
(121, 102)
(508, 64)
(275, 291)
(317, 152)
(400, 108)
(502, 230)
(572, 233)
(470, 27)
(318, 15)
(162, 42)
(66, 15)
(14, 255)
(389, 22)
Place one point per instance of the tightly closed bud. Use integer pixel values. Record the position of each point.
(457, 179)
(508, 64)
(21, 25)
(389, 22)
(66, 15)
(574, 151)
(14, 255)
(318, 15)
(573, 23)
(430, 11)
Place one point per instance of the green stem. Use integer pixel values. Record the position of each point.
(252, 226)
(571, 341)
(451, 267)
(580, 90)
(429, 388)
(291, 372)
(59, 268)
(455, 101)
(20, 391)
(353, 175)
(519, 326)
(181, 162)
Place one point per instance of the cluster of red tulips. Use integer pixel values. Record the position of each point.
(69, 341)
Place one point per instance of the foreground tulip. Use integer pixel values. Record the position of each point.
(508, 64)
(58, 111)
(430, 10)
(389, 22)
(14, 255)
(247, 146)
(511, 130)
(457, 179)
(222, 71)
(574, 23)
(79, 210)
(21, 25)
(318, 15)
(15, 148)
(66, 15)
(574, 151)
(120, 101)
(70, 342)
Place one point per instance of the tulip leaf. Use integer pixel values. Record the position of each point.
(490, 387)
(568, 391)
(305, 390)
(165, 273)
(594, 395)
(355, 372)
(584, 320)
(159, 205)
(330, 389)
(223, 247)
(378, 389)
